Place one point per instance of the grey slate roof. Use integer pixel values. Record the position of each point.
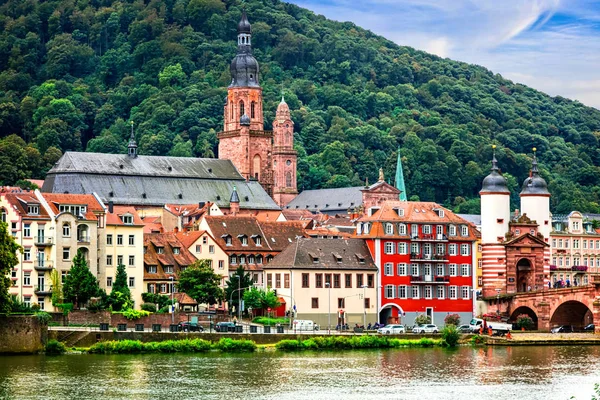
(147, 180)
(313, 253)
(475, 219)
(328, 201)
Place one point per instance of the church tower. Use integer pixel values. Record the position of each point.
(284, 156)
(495, 216)
(244, 140)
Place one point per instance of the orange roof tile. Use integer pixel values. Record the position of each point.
(93, 207)
(114, 218)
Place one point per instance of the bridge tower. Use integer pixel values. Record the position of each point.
(495, 215)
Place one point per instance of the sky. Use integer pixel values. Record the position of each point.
(550, 45)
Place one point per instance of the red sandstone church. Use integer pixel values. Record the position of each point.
(266, 156)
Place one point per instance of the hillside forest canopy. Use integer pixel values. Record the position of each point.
(75, 73)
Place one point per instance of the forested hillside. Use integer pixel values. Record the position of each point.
(74, 73)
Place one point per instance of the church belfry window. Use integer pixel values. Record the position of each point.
(288, 179)
(252, 109)
(241, 108)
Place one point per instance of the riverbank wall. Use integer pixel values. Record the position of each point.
(22, 334)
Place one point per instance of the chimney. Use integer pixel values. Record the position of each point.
(111, 207)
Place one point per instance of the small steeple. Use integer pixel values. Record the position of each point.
(494, 161)
(132, 146)
(534, 164)
(400, 178)
(494, 183)
(234, 196)
(234, 202)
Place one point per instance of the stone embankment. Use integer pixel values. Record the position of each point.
(544, 339)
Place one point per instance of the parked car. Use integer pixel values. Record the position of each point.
(225, 327)
(562, 329)
(391, 329)
(589, 328)
(426, 328)
(466, 328)
(189, 327)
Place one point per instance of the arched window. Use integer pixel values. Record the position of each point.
(288, 179)
(389, 229)
(252, 110)
(241, 108)
(66, 229)
(256, 166)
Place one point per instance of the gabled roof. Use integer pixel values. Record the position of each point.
(521, 238)
(354, 255)
(114, 218)
(19, 201)
(275, 235)
(167, 241)
(93, 207)
(188, 238)
(153, 224)
(327, 200)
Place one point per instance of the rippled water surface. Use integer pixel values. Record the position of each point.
(465, 373)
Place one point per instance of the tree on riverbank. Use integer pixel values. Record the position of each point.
(201, 283)
(237, 285)
(8, 259)
(259, 299)
(120, 296)
(80, 285)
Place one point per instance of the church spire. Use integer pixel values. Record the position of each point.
(132, 146)
(244, 67)
(400, 178)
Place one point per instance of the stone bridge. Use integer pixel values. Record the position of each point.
(577, 306)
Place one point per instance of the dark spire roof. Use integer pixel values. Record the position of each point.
(494, 182)
(245, 120)
(244, 25)
(244, 67)
(534, 184)
(132, 146)
(234, 196)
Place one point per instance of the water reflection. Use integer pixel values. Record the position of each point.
(491, 373)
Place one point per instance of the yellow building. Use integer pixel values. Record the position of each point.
(122, 242)
(204, 247)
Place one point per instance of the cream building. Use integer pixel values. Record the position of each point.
(122, 242)
(321, 277)
(204, 247)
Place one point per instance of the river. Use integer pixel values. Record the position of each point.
(465, 373)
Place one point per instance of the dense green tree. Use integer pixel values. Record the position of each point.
(80, 285)
(236, 286)
(120, 295)
(260, 299)
(201, 283)
(8, 259)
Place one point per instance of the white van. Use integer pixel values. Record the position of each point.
(305, 325)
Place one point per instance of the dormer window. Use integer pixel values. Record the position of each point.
(73, 209)
(439, 212)
(314, 257)
(175, 250)
(243, 239)
(389, 229)
(372, 210)
(337, 257)
(168, 269)
(452, 230)
(361, 258)
(160, 250)
(399, 211)
(257, 240)
(127, 219)
(227, 239)
(401, 229)
(464, 230)
(367, 228)
(33, 210)
(359, 228)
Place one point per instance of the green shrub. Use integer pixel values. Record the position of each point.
(475, 340)
(525, 321)
(150, 307)
(452, 319)
(354, 342)
(132, 314)
(271, 321)
(66, 308)
(450, 335)
(234, 345)
(54, 347)
(43, 317)
(135, 346)
(289, 345)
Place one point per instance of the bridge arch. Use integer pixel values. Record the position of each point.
(572, 312)
(525, 310)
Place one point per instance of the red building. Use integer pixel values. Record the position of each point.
(426, 257)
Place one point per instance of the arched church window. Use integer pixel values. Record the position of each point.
(288, 179)
(241, 108)
(288, 163)
(252, 107)
(256, 166)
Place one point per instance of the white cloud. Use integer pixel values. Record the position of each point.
(519, 39)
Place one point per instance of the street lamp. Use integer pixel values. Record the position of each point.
(172, 304)
(498, 301)
(364, 287)
(328, 286)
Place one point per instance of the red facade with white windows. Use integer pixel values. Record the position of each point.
(425, 256)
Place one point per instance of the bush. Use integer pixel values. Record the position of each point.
(150, 307)
(452, 319)
(450, 335)
(525, 321)
(289, 345)
(271, 321)
(475, 340)
(132, 314)
(353, 342)
(54, 347)
(66, 308)
(43, 317)
(422, 319)
(135, 346)
(231, 345)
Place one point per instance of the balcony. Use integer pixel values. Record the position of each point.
(43, 265)
(43, 241)
(82, 239)
(420, 257)
(430, 238)
(430, 279)
(44, 290)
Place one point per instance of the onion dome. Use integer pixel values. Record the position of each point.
(244, 25)
(494, 182)
(534, 184)
(245, 120)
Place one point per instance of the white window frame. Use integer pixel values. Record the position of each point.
(453, 292)
(402, 291)
(402, 269)
(389, 291)
(465, 270)
(388, 269)
(389, 228)
(465, 249)
(452, 249)
(402, 248)
(453, 269)
(388, 248)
